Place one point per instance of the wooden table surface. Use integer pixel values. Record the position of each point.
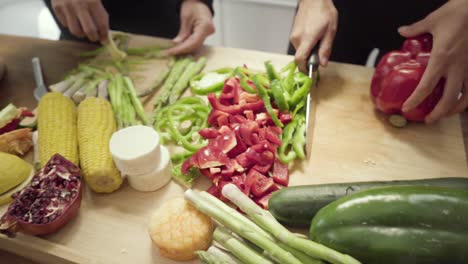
(57, 57)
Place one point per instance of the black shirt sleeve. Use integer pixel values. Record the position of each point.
(209, 3)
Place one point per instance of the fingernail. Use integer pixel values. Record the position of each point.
(325, 62)
(177, 39)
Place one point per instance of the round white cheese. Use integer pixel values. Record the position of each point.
(135, 149)
(157, 178)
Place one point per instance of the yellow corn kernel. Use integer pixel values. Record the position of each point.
(57, 128)
(96, 124)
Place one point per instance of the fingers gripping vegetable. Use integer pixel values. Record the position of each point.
(397, 76)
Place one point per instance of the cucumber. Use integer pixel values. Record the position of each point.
(397, 225)
(296, 206)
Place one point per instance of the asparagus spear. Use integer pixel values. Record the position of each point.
(243, 252)
(236, 216)
(65, 84)
(93, 53)
(210, 258)
(140, 111)
(246, 232)
(266, 220)
(114, 51)
(102, 90)
(113, 99)
(182, 84)
(80, 94)
(159, 80)
(86, 90)
(127, 110)
(223, 255)
(166, 89)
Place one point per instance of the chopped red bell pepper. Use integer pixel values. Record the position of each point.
(280, 173)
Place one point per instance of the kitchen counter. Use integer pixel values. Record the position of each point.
(57, 57)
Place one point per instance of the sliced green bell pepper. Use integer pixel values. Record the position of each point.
(210, 82)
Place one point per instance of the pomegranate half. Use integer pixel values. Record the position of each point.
(48, 202)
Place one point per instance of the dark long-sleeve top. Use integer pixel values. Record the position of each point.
(159, 18)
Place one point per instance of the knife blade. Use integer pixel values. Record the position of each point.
(311, 103)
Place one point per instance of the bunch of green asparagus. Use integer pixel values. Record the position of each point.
(177, 81)
(128, 109)
(259, 238)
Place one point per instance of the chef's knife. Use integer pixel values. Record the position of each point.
(311, 103)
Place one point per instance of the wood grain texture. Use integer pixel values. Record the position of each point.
(352, 143)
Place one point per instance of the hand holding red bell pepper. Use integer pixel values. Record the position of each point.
(398, 74)
(449, 58)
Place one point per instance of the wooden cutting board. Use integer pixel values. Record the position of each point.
(351, 143)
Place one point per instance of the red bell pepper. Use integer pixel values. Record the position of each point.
(398, 74)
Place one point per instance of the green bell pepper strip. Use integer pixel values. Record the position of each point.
(177, 137)
(287, 68)
(286, 138)
(288, 82)
(246, 86)
(299, 107)
(263, 93)
(185, 179)
(271, 72)
(278, 95)
(242, 71)
(299, 140)
(170, 119)
(211, 87)
(181, 157)
(301, 92)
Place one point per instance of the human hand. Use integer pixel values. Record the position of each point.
(449, 59)
(315, 20)
(196, 25)
(83, 18)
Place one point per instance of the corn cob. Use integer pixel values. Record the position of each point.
(57, 128)
(96, 124)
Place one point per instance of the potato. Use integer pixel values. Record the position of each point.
(178, 230)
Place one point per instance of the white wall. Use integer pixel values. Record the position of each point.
(250, 24)
(253, 24)
(27, 18)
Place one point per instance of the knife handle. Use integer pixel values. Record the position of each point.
(36, 64)
(314, 57)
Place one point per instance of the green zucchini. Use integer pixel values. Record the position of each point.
(397, 224)
(296, 206)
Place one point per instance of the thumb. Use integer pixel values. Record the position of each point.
(415, 29)
(185, 30)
